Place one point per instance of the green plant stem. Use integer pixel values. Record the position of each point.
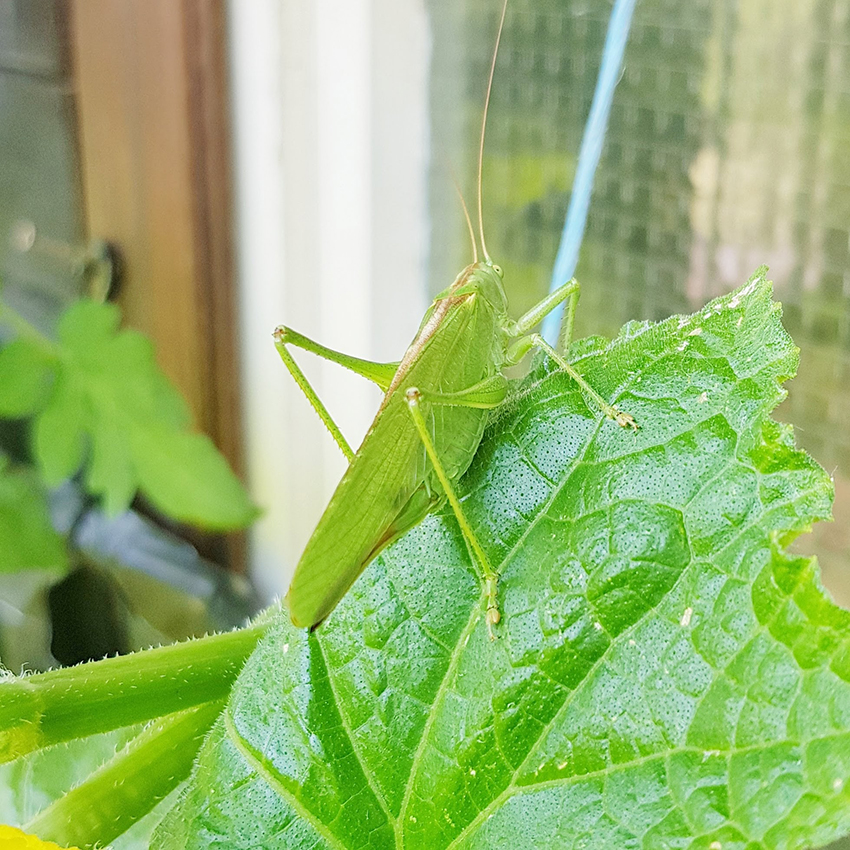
(130, 784)
(44, 709)
(25, 330)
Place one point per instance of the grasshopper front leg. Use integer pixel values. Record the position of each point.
(490, 393)
(525, 341)
(624, 420)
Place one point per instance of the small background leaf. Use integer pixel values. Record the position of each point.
(86, 325)
(25, 373)
(665, 675)
(27, 538)
(59, 430)
(172, 466)
(111, 470)
(112, 409)
(29, 784)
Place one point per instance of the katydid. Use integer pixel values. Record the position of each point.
(437, 401)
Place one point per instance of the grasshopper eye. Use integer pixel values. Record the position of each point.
(498, 270)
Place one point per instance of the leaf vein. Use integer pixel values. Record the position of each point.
(513, 790)
(438, 697)
(354, 746)
(268, 774)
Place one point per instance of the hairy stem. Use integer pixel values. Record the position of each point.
(44, 709)
(130, 784)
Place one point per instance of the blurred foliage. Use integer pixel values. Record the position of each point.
(31, 783)
(101, 406)
(26, 536)
(98, 408)
(89, 425)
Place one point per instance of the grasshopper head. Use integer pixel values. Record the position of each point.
(486, 278)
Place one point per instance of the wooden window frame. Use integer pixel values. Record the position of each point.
(151, 85)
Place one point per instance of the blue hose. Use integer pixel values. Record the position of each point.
(589, 154)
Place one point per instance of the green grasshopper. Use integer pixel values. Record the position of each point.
(437, 401)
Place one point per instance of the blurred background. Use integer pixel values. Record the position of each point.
(219, 168)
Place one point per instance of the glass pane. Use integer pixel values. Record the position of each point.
(727, 148)
(41, 213)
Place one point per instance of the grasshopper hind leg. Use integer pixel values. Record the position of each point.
(491, 577)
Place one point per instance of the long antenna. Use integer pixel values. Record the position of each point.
(468, 221)
(447, 163)
(484, 127)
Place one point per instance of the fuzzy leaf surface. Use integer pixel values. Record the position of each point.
(666, 676)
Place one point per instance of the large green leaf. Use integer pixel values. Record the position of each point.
(666, 676)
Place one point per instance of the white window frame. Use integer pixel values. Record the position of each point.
(330, 123)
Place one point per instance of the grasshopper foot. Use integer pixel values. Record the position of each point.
(493, 616)
(624, 420)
